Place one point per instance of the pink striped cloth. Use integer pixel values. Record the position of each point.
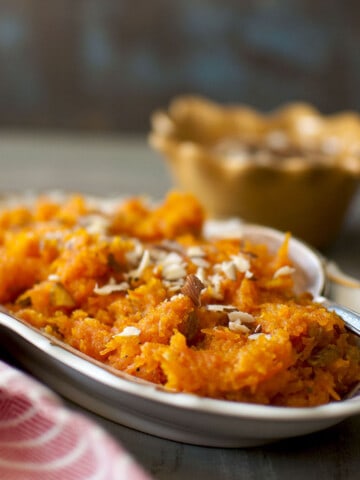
(41, 440)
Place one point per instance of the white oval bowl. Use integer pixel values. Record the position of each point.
(176, 416)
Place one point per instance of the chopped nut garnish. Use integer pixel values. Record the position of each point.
(60, 297)
(189, 328)
(200, 262)
(282, 271)
(200, 273)
(195, 251)
(144, 263)
(220, 308)
(255, 336)
(111, 287)
(237, 326)
(173, 272)
(242, 263)
(170, 246)
(215, 286)
(242, 317)
(54, 278)
(24, 301)
(192, 289)
(129, 332)
(258, 328)
(227, 268)
(133, 256)
(95, 224)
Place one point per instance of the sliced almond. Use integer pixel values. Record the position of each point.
(283, 271)
(192, 289)
(242, 317)
(237, 326)
(129, 332)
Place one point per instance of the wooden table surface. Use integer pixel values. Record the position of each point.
(106, 165)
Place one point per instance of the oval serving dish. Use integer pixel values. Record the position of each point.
(293, 169)
(177, 416)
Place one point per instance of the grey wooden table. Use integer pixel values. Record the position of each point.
(126, 165)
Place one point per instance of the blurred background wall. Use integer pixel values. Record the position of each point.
(107, 64)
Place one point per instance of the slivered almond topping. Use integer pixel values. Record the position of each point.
(134, 255)
(144, 263)
(223, 229)
(170, 246)
(129, 332)
(174, 297)
(172, 258)
(237, 326)
(195, 251)
(241, 263)
(215, 284)
(242, 317)
(258, 328)
(94, 223)
(174, 287)
(174, 271)
(192, 289)
(283, 271)
(220, 308)
(157, 255)
(167, 252)
(254, 336)
(111, 288)
(227, 268)
(174, 268)
(200, 273)
(200, 262)
(54, 278)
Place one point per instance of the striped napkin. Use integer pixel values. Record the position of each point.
(42, 440)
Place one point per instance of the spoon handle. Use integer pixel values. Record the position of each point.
(342, 288)
(351, 318)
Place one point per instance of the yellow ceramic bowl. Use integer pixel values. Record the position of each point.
(293, 169)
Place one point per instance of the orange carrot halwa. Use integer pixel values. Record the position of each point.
(139, 288)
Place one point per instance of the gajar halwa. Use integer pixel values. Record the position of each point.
(139, 288)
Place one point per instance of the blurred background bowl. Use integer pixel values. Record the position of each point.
(293, 169)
